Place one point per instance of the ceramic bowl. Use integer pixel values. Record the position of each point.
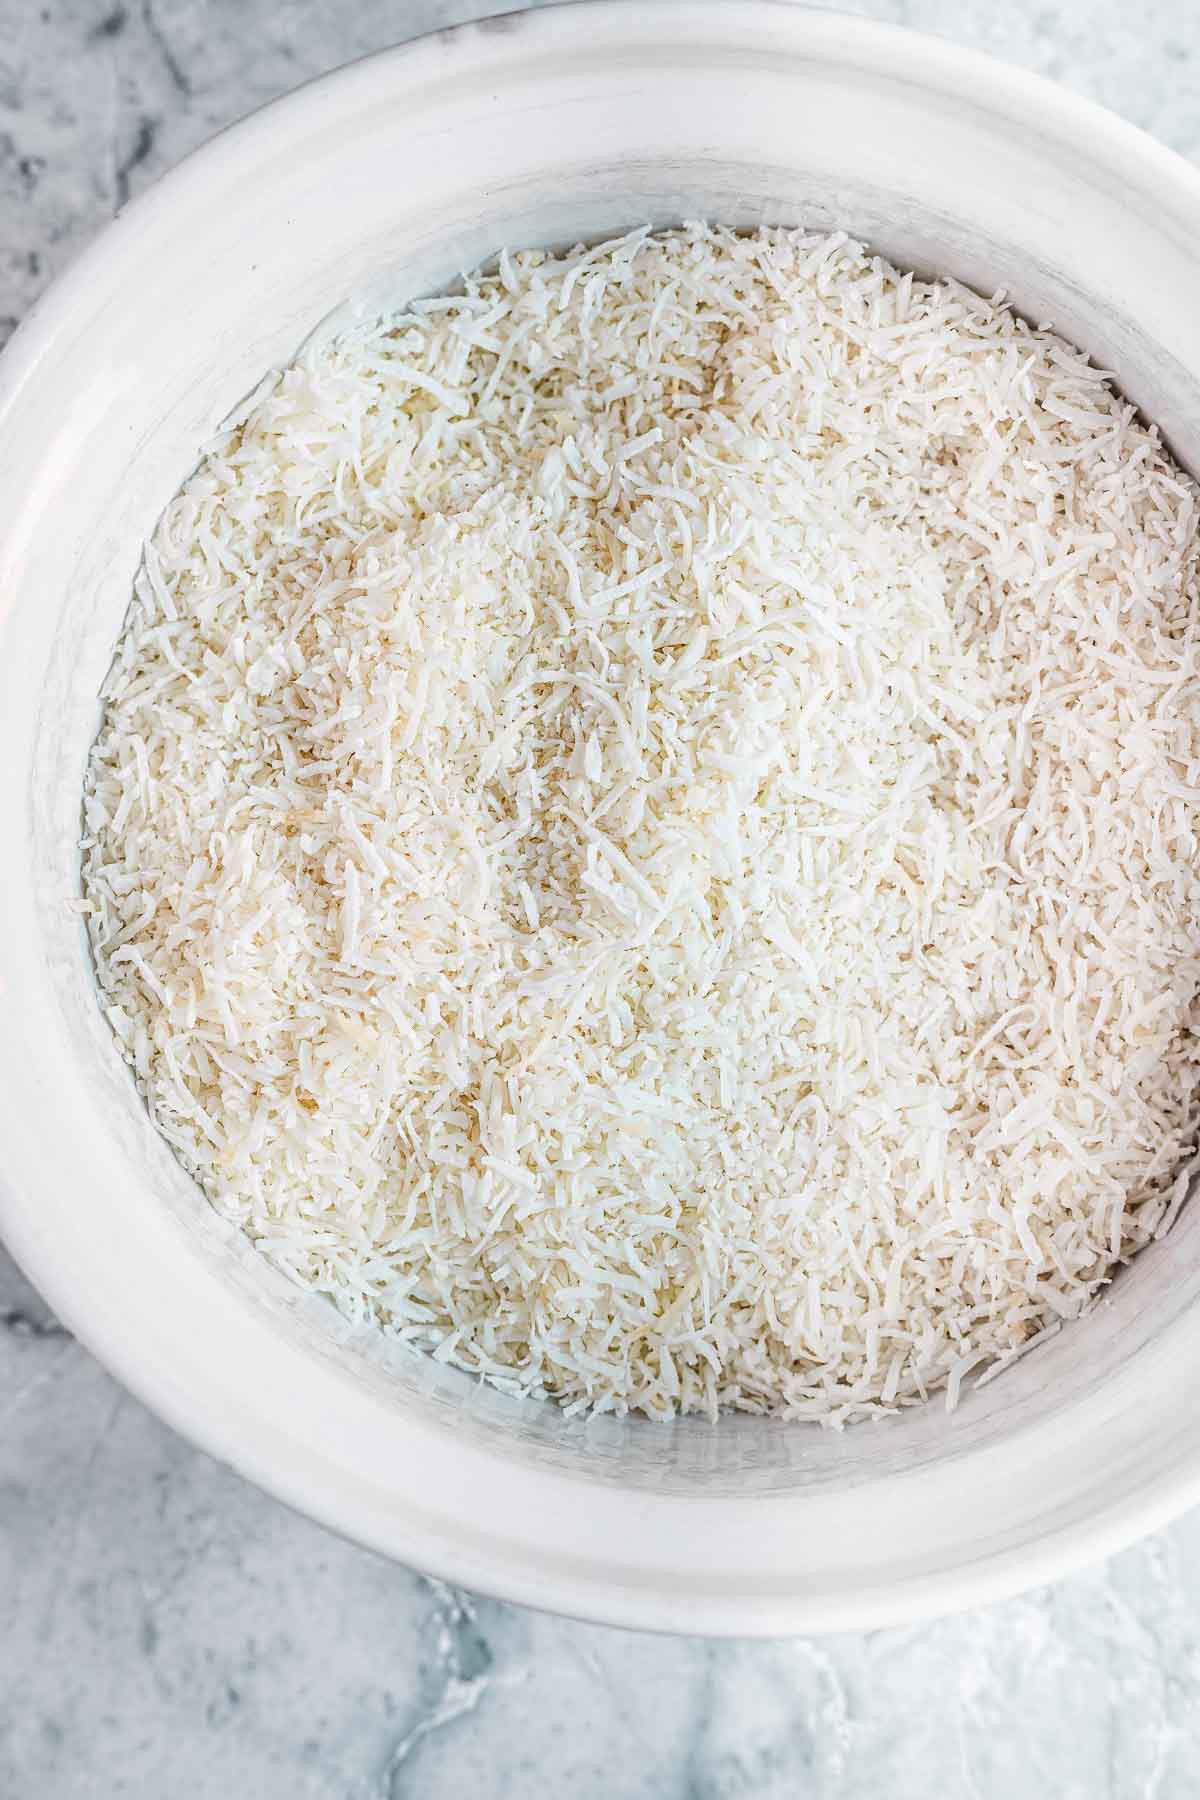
(382, 182)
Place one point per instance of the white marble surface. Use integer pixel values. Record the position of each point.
(171, 1634)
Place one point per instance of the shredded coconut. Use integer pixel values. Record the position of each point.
(644, 834)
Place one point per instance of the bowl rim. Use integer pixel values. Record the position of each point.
(1024, 101)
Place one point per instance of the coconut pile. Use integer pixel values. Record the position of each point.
(645, 830)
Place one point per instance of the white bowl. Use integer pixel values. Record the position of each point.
(387, 179)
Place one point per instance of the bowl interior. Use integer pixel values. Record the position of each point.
(378, 185)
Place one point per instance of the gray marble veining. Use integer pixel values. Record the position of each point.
(169, 1633)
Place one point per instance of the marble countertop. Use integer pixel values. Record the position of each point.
(170, 1633)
